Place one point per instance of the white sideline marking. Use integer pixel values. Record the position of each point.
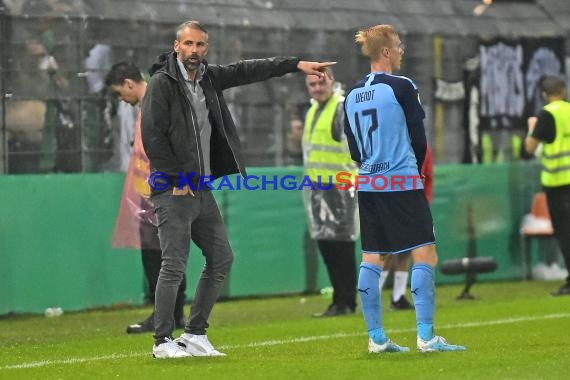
(71, 361)
(44, 363)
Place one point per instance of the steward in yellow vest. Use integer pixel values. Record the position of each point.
(332, 213)
(552, 128)
(556, 154)
(325, 156)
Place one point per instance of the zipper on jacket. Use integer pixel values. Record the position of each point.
(198, 143)
(223, 129)
(194, 122)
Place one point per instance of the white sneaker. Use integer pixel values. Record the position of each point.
(197, 345)
(168, 350)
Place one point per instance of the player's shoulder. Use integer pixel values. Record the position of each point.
(399, 81)
(361, 83)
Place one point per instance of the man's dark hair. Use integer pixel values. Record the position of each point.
(552, 85)
(121, 71)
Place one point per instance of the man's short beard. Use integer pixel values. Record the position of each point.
(191, 66)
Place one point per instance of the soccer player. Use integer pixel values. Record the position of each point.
(386, 137)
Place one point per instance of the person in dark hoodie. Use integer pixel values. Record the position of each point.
(189, 136)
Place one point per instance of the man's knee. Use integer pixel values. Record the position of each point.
(171, 274)
(425, 255)
(374, 258)
(172, 269)
(221, 262)
(227, 261)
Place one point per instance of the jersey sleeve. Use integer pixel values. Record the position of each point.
(352, 146)
(338, 123)
(408, 97)
(545, 129)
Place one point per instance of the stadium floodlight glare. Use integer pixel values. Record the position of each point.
(482, 7)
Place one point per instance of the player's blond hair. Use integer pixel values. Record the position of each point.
(373, 39)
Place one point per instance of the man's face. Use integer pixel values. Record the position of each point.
(125, 92)
(191, 48)
(396, 53)
(296, 130)
(320, 89)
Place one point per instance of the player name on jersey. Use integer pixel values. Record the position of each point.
(364, 96)
(374, 168)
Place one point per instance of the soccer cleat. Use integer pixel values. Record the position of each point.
(148, 325)
(563, 291)
(197, 345)
(334, 310)
(401, 304)
(389, 346)
(437, 343)
(141, 327)
(168, 350)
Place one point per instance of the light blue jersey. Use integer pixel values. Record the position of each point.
(384, 128)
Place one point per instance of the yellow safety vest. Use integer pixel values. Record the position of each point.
(323, 156)
(556, 155)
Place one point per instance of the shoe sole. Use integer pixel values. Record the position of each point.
(200, 353)
(388, 352)
(435, 350)
(170, 357)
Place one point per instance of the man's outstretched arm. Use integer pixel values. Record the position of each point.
(256, 70)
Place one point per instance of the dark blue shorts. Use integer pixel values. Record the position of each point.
(394, 222)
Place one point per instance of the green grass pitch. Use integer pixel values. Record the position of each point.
(515, 330)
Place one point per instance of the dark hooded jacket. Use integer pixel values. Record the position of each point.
(170, 135)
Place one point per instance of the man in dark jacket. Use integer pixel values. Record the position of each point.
(189, 136)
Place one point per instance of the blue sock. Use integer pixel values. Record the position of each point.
(369, 290)
(423, 293)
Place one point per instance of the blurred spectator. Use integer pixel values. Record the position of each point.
(97, 130)
(58, 129)
(136, 223)
(293, 147)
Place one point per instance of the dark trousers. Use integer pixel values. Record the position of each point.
(558, 200)
(151, 261)
(340, 260)
(311, 258)
(182, 218)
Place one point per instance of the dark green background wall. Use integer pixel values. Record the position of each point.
(55, 233)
